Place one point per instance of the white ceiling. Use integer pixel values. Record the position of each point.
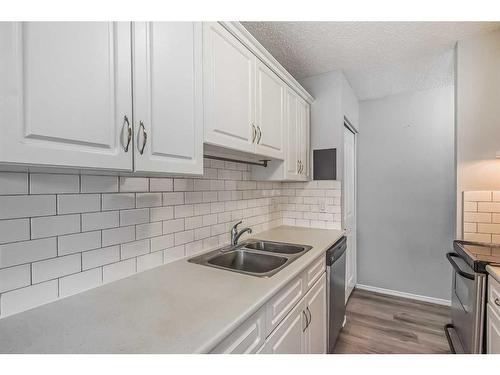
(378, 58)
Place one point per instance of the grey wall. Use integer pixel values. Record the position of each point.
(478, 116)
(406, 185)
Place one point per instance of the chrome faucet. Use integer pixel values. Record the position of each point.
(235, 235)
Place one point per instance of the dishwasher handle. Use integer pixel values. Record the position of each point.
(457, 269)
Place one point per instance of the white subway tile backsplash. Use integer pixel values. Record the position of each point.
(100, 220)
(183, 211)
(120, 201)
(161, 184)
(170, 199)
(193, 197)
(181, 238)
(27, 251)
(148, 200)
(78, 203)
(136, 216)
(99, 184)
(478, 196)
(26, 298)
(172, 226)
(161, 213)
(117, 236)
(79, 282)
(14, 230)
(100, 257)
(134, 249)
(87, 230)
(54, 183)
(76, 243)
(13, 183)
(183, 184)
(14, 277)
(119, 270)
(17, 206)
(48, 226)
(134, 184)
(148, 230)
(55, 267)
(148, 261)
(162, 242)
(173, 254)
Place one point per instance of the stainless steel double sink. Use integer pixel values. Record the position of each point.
(253, 257)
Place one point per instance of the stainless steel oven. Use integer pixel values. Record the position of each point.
(468, 298)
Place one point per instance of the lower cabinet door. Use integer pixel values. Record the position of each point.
(289, 337)
(316, 332)
(492, 332)
(247, 338)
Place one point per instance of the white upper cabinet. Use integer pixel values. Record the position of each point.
(66, 94)
(168, 106)
(229, 90)
(270, 105)
(291, 136)
(304, 140)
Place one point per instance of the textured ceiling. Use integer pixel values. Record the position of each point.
(310, 48)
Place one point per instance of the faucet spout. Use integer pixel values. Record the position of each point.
(239, 234)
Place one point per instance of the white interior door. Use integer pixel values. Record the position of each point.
(65, 93)
(229, 89)
(350, 207)
(270, 115)
(168, 97)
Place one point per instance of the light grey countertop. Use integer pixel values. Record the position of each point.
(180, 307)
(494, 272)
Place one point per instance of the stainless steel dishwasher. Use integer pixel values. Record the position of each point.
(335, 273)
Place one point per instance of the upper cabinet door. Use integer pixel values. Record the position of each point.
(66, 95)
(229, 90)
(168, 104)
(292, 147)
(303, 145)
(270, 112)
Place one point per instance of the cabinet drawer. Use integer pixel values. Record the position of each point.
(494, 294)
(314, 271)
(281, 304)
(245, 339)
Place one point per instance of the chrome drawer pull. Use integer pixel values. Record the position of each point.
(497, 301)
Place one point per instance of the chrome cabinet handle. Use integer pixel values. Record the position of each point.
(260, 134)
(129, 132)
(300, 167)
(307, 321)
(310, 316)
(145, 137)
(254, 133)
(497, 301)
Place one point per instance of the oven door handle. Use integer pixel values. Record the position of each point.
(457, 269)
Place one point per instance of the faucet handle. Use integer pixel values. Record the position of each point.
(235, 226)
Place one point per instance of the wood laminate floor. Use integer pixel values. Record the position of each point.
(382, 324)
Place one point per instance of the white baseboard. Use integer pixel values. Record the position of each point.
(390, 292)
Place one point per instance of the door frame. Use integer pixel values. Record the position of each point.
(348, 126)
